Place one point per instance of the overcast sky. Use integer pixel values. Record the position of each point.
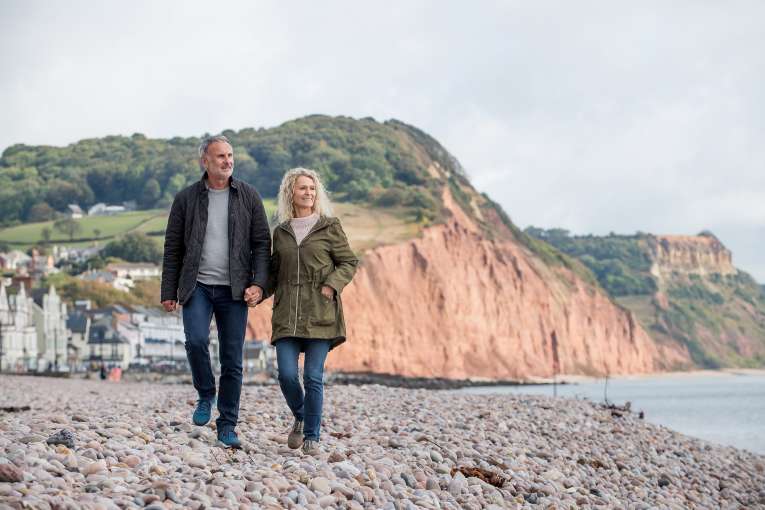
(592, 116)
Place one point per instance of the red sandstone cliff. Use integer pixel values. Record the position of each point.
(452, 303)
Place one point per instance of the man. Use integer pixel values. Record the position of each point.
(217, 251)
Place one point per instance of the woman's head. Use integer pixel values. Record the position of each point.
(302, 187)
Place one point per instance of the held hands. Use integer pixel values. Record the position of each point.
(328, 292)
(253, 295)
(170, 305)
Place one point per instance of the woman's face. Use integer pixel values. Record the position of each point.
(304, 193)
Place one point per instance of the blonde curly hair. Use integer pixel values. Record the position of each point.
(284, 207)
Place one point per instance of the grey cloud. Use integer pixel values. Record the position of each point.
(595, 116)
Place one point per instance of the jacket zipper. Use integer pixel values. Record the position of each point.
(297, 292)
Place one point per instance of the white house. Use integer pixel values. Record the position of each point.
(134, 270)
(50, 317)
(14, 260)
(18, 336)
(123, 284)
(75, 212)
(101, 209)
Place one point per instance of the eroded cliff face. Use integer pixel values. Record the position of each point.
(703, 302)
(701, 255)
(453, 304)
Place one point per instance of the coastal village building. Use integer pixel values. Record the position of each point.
(78, 324)
(18, 335)
(50, 318)
(66, 253)
(75, 211)
(162, 334)
(123, 284)
(107, 345)
(258, 356)
(134, 270)
(101, 209)
(14, 260)
(122, 276)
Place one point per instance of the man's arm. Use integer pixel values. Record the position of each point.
(260, 244)
(174, 251)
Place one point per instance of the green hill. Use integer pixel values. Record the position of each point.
(373, 169)
(360, 160)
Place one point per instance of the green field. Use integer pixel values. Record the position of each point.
(152, 222)
(107, 226)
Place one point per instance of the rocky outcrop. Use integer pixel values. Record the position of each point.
(454, 304)
(701, 255)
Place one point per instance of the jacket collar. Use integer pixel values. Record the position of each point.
(234, 183)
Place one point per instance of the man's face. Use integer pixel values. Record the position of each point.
(219, 160)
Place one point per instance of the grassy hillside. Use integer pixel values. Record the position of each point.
(91, 227)
(384, 164)
(96, 228)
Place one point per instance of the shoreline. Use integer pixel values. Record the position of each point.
(400, 381)
(438, 383)
(133, 446)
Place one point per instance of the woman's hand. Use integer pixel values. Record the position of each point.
(328, 292)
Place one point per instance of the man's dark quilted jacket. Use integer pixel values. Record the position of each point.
(248, 236)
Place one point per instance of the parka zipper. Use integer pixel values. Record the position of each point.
(297, 292)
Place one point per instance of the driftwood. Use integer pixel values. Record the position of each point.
(619, 411)
(14, 409)
(494, 479)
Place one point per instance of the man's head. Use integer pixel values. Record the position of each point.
(216, 156)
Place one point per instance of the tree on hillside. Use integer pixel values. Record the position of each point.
(61, 193)
(68, 226)
(134, 247)
(151, 193)
(46, 235)
(97, 232)
(41, 212)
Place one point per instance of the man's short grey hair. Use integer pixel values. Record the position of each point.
(209, 141)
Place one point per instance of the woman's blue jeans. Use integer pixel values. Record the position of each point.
(231, 319)
(305, 407)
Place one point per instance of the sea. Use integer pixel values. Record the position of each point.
(726, 408)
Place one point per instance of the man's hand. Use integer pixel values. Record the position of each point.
(170, 305)
(328, 292)
(253, 295)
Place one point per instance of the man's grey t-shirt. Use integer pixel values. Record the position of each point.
(213, 268)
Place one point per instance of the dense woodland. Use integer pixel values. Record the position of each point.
(620, 263)
(360, 160)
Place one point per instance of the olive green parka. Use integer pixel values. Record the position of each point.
(297, 275)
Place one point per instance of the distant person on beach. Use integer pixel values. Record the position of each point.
(217, 249)
(311, 263)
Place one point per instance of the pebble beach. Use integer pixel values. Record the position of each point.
(102, 445)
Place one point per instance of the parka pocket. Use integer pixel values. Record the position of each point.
(323, 311)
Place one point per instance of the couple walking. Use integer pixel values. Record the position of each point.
(218, 261)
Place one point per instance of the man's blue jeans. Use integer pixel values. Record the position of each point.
(304, 407)
(231, 319)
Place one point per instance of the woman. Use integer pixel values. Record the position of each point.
(311, 263)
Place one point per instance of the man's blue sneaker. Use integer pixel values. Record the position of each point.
(229, 438)
(203, 411)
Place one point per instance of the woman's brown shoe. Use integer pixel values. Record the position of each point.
(295, 439)
(310, 447)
